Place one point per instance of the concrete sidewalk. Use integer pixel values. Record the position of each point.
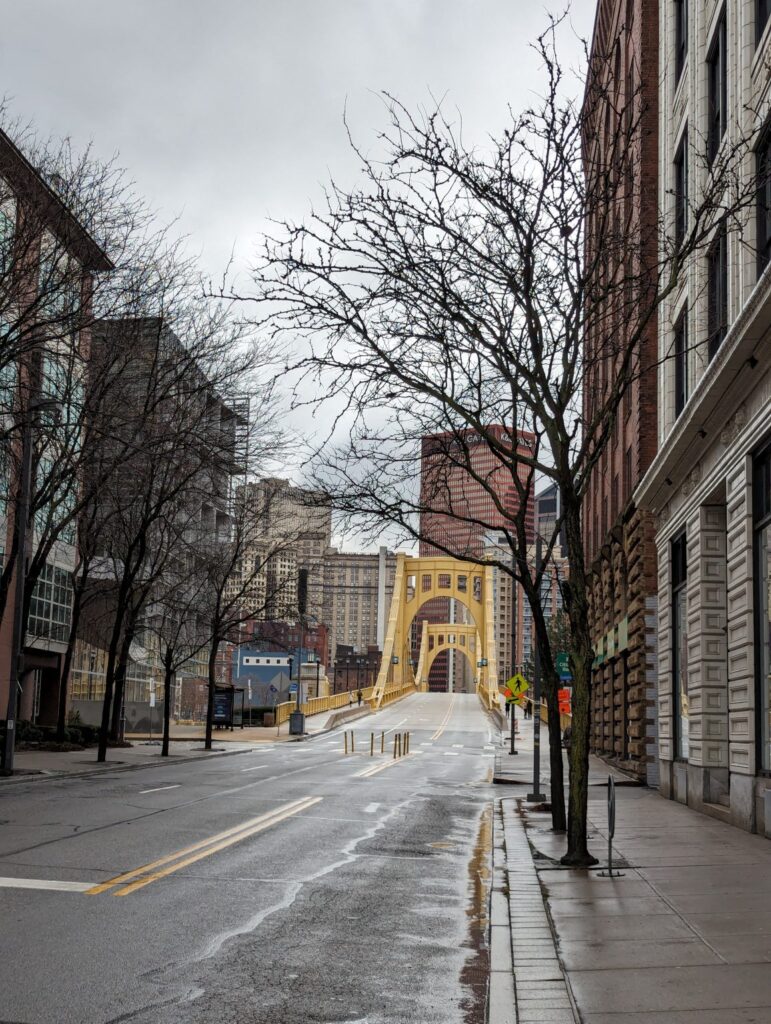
(683, 937)
(186, 745)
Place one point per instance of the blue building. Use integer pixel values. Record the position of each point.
(263, 675)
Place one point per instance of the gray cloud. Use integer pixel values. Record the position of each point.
(229, 111)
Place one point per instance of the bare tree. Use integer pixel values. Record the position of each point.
(456, 289)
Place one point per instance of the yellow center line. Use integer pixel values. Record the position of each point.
(380, 767)
(177, 865)
(445, 720)
(128, 875)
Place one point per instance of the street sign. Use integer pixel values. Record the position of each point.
(293, 687)
(518, 684)
(274, 689)
(563, 699)
(562, 664)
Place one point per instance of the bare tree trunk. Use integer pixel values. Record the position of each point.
(212, 686)
(583, 656)
(120, 682)
(61, 718)
(109, 678)
(549, 685)
(556, 767)
(168, 675)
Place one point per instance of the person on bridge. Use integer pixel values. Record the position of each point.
(360, 695)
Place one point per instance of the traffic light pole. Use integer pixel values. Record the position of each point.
(513, 716)
(537, 796)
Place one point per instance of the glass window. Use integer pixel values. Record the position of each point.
(681, 36)
(50, 609)
(681, 189)
(717, 292)
(681, 362)
(761, 484)
(716, 87)
(762, 11)
(679, 647)
(763, 170)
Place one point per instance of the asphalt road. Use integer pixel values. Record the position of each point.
(287, 884)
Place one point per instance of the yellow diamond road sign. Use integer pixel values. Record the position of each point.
(518, 684)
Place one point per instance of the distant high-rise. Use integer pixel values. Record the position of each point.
(467, 492)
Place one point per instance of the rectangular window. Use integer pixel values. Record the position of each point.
(681, 362)
(717, 91)
(628, 474)
(681, 189)
(762, 11)
(681, 36)
(679, 647)
(717, 292)
(763, 170)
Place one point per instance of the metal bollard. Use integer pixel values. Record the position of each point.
(345, 737)
(372, 744)
(400, 744)
(353, 744)
(407, 743)
(394, 746)
(382, 743)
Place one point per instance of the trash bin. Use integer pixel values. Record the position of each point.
(296, 723)
(268, 719)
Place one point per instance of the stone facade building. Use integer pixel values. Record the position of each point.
(618, 535)
(710, 485)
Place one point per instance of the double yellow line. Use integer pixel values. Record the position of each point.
(445, 720)
(367, 773)
(130, 881)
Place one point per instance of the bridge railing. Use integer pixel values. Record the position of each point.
(317, 705)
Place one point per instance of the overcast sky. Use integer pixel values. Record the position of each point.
(226, 111)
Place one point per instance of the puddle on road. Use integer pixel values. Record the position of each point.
(475, 974)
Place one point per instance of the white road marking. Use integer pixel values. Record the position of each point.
(489, 748)
(458, 745)
(371, 808)
(44, 883)
(254, 768)
(451, 753)
(427, 744)
(159, 789)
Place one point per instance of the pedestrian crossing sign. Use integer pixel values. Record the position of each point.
(517, 685)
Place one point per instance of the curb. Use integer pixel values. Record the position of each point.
(527, 983)
(59, 777)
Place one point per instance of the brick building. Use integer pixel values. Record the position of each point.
(618, 535)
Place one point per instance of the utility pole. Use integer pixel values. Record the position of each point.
(537, 796)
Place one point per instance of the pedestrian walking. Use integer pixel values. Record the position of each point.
(508, 709)
(350, 698)
(360, 695)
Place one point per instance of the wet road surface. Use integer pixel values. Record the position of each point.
(287, 884)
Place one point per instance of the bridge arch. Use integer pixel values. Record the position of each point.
(418, 581)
